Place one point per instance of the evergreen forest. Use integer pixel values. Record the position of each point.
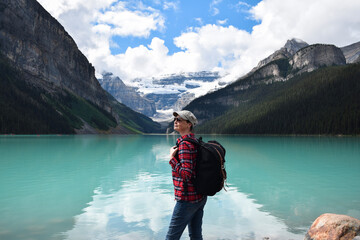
(326, 101)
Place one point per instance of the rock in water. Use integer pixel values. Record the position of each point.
(334, 227)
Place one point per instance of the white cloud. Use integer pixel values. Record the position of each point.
(222, 22)
(199, 21)
(321, 21)
(202, 48)
(241, 7)
(142, 209)
(142, 61)
(205, 47)
(140, 203)
(171, 5)
(56, 8)
(243, 4)
(214, 10)
(126, 22)
(212, 44)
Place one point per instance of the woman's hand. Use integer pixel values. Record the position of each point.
(173, 151)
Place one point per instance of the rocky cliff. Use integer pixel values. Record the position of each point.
(315, 56)
(35, 42)
(294, 58)
(45, 61)
(352, 53)
(289, 49)
(127, 95)
(184, 100)
(163, 101)
(157, 95)
(282, 95)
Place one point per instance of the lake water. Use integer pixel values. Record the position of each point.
(120, 187)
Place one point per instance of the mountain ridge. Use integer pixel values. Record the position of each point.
(127, 95)
(36, 50)
(219, 107)
(324, 101)
(172, 91)
(352, 52)
(179, 98)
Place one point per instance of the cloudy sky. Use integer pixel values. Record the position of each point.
(146, 38)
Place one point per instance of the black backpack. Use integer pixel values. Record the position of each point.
(210, 167)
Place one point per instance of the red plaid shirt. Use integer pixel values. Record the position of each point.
(183, 170)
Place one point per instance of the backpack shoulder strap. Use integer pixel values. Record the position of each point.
(196, 141)
(191, 140)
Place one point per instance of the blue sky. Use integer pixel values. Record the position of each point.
(148, 38)
(187, 14)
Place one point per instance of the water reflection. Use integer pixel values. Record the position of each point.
(46, 180)
(120, 187)
(297, 178)
(141, 208)
(234, 215)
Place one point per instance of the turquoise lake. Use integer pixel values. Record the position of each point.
(120, 187)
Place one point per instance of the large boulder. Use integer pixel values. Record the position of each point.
(334, 227)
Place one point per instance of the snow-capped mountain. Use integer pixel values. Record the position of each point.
(126, 95)
(168, 92)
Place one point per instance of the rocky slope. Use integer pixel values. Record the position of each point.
(47, 59)
(352, 52)
(325, 101)
(175, 91)
(155, 96)
(35, 42)
(127, 95)
(315, 56)
(182, 88)
(289, 49)
(289, 62)
(279, 92)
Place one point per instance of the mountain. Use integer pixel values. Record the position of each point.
(284, 64)
(309, 92)
(290, 48)
(48, 85)
(315, 56)
(181, 88)
(352, 53)
(127, 95)
(156, 96)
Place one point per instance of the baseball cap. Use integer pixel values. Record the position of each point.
(186, 115)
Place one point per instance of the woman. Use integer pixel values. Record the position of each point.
(189, 208)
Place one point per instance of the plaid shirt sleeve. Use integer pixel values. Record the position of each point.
(183, 169)
(187, 156)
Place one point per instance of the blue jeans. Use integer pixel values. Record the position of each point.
(186, 213)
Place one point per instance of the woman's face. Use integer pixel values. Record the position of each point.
(181, 125)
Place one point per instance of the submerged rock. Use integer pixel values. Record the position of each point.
(334, 227)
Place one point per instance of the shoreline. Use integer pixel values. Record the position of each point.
(198, 134)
